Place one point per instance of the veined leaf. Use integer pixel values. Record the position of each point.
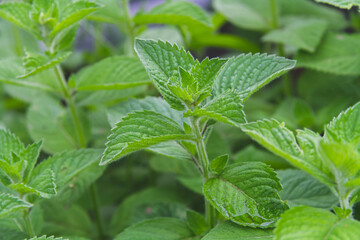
(247, 194)
(302, 189)
(299, 32)
(140, 130)
(248, 14)
(346, 4)
(9, 143)
(278, 139)
(338, 54)
(345, 128)
(180, 13)
(159, 229)
(313, 224)
(18, 13)
(248, 73)
(226, 107)
(111, 73)
(230, 231)
(48, 238)
(10, 204)
(72, 13)
(35, 63)
(30, 155)
(162, 61)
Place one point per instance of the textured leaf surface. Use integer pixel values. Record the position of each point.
(226, 107)
(313, 224)
(247, 194)
(299, 188)
(180, 13)
(302, 33)
(72, 13)
(345, 128)
(278, 139)
(347, 4)
(35, 63)
(157, 229)
(10, 204)
(338, 54)
(140, 130)
(17, 13)
(247, 73)
(9, 143)
(112, 73)
(230, 231)
(48, 238)
(162, 61)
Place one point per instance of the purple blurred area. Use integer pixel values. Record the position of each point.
(136, 5)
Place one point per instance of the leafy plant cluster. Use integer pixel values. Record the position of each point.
(215, 163)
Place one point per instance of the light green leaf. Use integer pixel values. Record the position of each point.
(248, 73)
(71, 169)
(314, 224)
(162, 61)
(18, 13)
(302, 33)
(299, 188)
(159, 229)
(181, 13)
(65, 39)
(30, 155)
(247, 194)
(110, 74)
(278, 139)
(338, 54)
(346, 4)
(72, 13)
(111, 12)
(196, 222)
(140, 130)
(230, 231)
(169, 34)
(9, 143)
(345, 128)
(218, 164)
(225, 107)
(248, 14)
(48, 238)
(10, 204)
(35, 63)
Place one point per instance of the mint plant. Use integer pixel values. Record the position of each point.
(198, 94)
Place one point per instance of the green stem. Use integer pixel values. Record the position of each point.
(129, 26)
(281, 51)
(28, 224)
(210, 213)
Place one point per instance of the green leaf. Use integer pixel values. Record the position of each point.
(18, 13)
(278, 139)
(35, 63)
(302, 33)
(230, 231)
(346, 4)
(196, 222)
(112, 73)
(140, 130)
(248, 73)
(338, 54)
(10, 204)
(159, 229)
(218, 164)
(48, 238)
(72, 13)
(299, 188)
(30, 155)
(162, 61)
(225, 107)
(73, 170)
(179, 13)
(9, 143)
(111, 12)
(247, 194)
(345, 128)
(313, 224)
